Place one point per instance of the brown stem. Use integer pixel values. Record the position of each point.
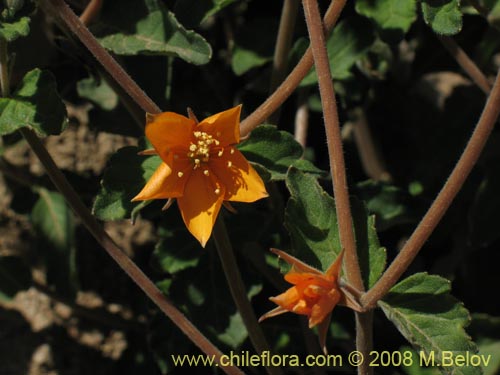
(335, 151)
(364, 340)
(283, 44)
(301, 119)
(60, 9)
(443, 200)
(91, 11)
(372, 162)
(292, 81)
(466, 63)
(238, 292)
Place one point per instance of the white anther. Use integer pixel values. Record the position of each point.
(180, 174)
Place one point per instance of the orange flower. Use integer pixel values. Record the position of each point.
(201, 167)
(314, 294)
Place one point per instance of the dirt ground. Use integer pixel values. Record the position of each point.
(40, 333)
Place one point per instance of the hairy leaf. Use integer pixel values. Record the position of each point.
(276, 150)
(444, 16)
(124, 178)
(348, 42)
(15, 19)
(393, 17)
(35, 104)
(55, 225)
(423, 310)
(131, 27)
(253, 47)
(97, 92)
(312, 223)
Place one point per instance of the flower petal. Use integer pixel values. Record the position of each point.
(242, 182)
(299, 265)
(165, 183)
(336, 266)
(168, 131)
(274, 312)
(323, 307)
(288, 299)
(155, 187)
(225, 126)
(200, 205)
(323, 331)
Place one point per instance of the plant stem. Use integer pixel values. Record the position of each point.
(130, 268)
(372, 162)
(466, 63)
(91, 11)
(443, 200)
(238, 292)
(4, 68)
(335, 151)
(283, 44)
(364, 340)
(337, 168)
(301, 118)
(292, 81)
(61, 10)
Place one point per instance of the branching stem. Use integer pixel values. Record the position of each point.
(443, 200)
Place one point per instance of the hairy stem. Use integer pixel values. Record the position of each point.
(91, 11)
(238, 292)
(292, 81)
(465, 63)
(283, 44)
(443, 200)
(372, 162)
(364, 340)
(333, 138)
(61, 10)
(337, 168)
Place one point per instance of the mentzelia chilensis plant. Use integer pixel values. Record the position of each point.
(333, 255)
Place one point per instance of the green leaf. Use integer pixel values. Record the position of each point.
(15, 276)
(124, 178)
(253, 46)
(276, 150)
(193, 12)
(35, 104)
(311, 220)
(348, 43)
(177, 251)
(99, 93)
(432, 320)
(392, 17)
(444, 16)
(390, 204)
(54, 223)
(132, 27)
(15, 19)
(372, 257)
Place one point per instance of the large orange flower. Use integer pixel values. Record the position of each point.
(314, 294)
(201, 167)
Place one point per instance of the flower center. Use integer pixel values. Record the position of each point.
(199, 150)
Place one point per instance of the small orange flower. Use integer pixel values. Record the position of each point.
(314, 294)
(201, 168)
